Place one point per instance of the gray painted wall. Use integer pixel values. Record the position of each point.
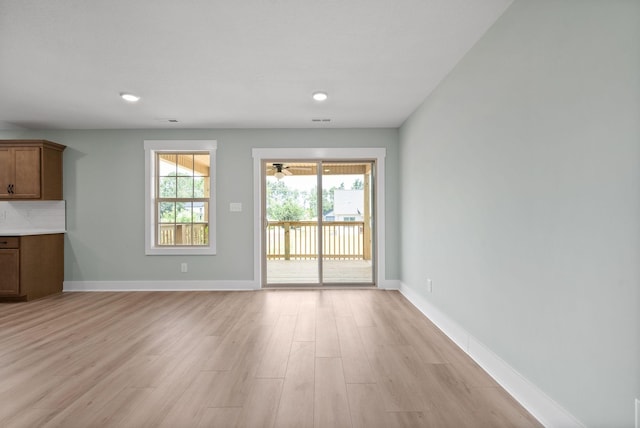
(104, 189)
(520, 199)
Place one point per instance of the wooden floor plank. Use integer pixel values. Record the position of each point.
(220, 417)
(30, 418)
(354, 357)
(331, 405)
(408, 420)
(188, 408)
(366, 406)
(276, 356)
(297, 401)
(262, 404)
(327, 342)
(398, 372)
(305, 330)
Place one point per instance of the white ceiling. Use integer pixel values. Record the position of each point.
(228, 64)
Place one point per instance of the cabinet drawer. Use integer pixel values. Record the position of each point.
(9, 242)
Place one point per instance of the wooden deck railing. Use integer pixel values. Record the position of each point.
(183, 234)
(298, 240)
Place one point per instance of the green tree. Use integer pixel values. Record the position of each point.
(283, 203)
(179, 186)
(289, 211)
(327, 201)
(357, 184)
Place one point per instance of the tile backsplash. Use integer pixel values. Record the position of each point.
(30, 215)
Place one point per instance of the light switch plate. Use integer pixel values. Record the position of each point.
(235, 207)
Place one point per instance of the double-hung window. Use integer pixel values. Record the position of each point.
(180, 202)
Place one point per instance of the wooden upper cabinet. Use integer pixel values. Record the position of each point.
(7, 161)
(30, 169)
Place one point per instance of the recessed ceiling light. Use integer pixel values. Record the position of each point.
(129, 97)
(320, 96)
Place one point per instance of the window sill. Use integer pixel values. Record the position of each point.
(182, 251)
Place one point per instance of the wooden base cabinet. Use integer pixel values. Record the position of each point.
(9, 266)
(31, 266)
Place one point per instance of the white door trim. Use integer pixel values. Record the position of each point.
(376, 154)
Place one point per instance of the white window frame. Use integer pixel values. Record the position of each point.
(151, 147)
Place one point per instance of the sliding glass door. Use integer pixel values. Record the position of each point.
(318, 223)
(291, 232)
(347, 222)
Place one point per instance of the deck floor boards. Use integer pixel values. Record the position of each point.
(306, 272)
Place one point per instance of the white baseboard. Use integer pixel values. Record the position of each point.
(160, 285)
(541, 406)
(70, 286)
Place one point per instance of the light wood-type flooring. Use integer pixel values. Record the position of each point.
(283, 358)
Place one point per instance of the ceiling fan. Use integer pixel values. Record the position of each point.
(279, 170)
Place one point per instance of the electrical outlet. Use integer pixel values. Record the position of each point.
(184, 268)
(429, 285)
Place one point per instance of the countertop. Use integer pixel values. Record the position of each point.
(27, 232)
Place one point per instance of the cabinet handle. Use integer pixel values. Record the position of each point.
(4, 242)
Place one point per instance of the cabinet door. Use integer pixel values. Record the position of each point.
(10, 272)
(6, 171)
(27, 172)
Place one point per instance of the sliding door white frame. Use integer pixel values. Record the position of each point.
(316, 154)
